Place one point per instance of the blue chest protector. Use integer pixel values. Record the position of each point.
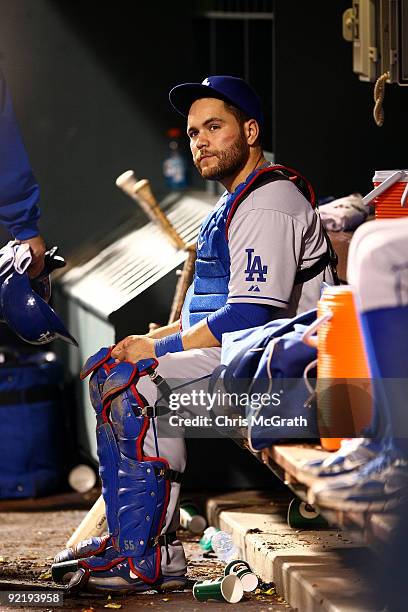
(209, 290)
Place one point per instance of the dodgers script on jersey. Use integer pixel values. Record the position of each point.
(274, 233)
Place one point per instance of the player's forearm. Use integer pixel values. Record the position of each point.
(199, 336)
(19, 191)
(164, 331)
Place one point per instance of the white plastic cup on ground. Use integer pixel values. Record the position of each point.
(82, 478)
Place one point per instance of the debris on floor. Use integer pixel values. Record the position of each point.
(29, 541)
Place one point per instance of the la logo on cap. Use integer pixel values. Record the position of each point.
(206, 82)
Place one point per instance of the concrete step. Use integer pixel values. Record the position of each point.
(313, 570)
(376, 528)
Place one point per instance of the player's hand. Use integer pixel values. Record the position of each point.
(134, 348)
(37, 248)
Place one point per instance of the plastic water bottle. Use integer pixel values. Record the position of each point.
(224, 547)
(205, 541)
(175, 165)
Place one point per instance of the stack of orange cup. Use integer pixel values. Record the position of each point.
(343, 386)
(393, 202)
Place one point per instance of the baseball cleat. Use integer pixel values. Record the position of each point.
(120, 578)
(110, 572)
(353, 454)
(379, 486)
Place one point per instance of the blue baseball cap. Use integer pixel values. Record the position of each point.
(230, 89)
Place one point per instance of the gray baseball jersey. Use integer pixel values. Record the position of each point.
(274, 233)
(378, 252)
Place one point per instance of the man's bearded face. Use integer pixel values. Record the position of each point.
(217, 140)
(226, 162)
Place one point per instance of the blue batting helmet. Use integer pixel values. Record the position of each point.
(28, 315)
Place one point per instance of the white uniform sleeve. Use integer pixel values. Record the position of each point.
(265, 250)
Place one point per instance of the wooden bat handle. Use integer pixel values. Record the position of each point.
(126, 182)
(93, 524)
(144, 194)
(141, 192)
(183, 283)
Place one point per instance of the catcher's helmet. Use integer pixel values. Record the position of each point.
(28, 315)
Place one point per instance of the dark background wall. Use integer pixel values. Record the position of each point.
(324, 122)
(90, 83)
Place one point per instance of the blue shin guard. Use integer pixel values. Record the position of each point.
(99, 367)
(135, 487)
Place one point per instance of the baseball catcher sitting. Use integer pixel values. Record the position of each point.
(262, 254)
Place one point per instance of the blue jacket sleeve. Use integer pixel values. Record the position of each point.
(19, 191)
(235, 316)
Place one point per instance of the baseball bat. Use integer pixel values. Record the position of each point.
(141, 192)
(183, 283)
(93, 524)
